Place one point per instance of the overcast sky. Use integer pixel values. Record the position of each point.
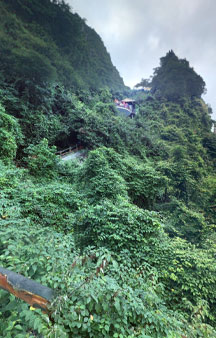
(137, 33)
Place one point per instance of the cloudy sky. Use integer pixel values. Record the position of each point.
(137, 33)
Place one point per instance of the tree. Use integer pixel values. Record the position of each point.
(175, 78)
(143, 83)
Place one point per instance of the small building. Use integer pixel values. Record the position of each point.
(126, 107)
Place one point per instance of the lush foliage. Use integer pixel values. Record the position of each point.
(175, 78)
(45, 42)
(41, 160)
(10, 135)
(126, 236)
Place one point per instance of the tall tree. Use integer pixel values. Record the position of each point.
(175, 78)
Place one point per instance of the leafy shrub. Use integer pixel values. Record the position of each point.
(89, 301)
(10, 135)
(107, 174)
(51, 205)
(98, 179)
(189, 275)
(184, 222)
(34, 252)
(41, 160)
(114, 303)
(119, 227)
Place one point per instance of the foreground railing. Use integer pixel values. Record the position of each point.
(35, 294)
(31, 292)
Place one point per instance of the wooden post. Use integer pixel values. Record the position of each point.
(31, 292)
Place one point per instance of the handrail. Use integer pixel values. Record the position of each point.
(67, 150)
(119, 107)
(33, 293)
(132, 112)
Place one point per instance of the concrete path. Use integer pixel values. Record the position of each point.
(78, 154)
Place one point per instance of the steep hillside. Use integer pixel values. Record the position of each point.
(43, 41)
(141, 202)
(126, 237)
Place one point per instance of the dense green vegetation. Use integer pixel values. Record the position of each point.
(42, 41)
(126, 237)
(174, 78)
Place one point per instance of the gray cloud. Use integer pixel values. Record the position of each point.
(138, 32)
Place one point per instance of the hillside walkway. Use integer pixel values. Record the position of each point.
(71, 153)
(72, 156)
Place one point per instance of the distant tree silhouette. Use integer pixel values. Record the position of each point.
(143, 83)
(175, 78)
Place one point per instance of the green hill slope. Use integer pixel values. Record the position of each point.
(44, 41)
(126, 237)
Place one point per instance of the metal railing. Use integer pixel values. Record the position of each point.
(33, 293)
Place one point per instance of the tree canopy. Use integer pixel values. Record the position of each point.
(175, 78)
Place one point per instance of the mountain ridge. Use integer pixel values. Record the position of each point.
(45, 41)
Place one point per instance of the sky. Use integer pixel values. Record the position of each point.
(137, 33)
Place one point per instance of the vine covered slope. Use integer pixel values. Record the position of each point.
(125, 236)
